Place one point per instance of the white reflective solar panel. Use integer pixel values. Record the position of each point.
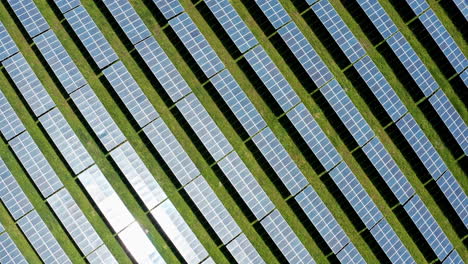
(180, 234)
(379, 17)
(106, 199)
(11, 124)
(243, 251)
(42, 239)
(9, 252)
(67, 5)
(7, 45)
(91, 37)
(322, 219)
(390, 243)
(139, 246)
(163, 69)
(196, 44)
(29, 16)
(102, 255)
(35, 164)
(272, 78)
(97, 117)
(274, 11)
(169, 8)
(74, 221)
(356, 195)
(28, 84)
(204, 126)
(66, 140)
(138, 175)
(212, 209)
(350, 255)
(128, 20)
(238, 102)
(59, 61)
(455, 195)
(232, 23)
(130, 93)
(285, 239)
(246, 185)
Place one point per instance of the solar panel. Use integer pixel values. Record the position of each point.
(74, 221)
(1, 228)
(208, 261)
(274, 11)
(28, 84)
(232, 23)
(314, 136)
(413, 64)
(29, 16)
(35, 164)
(91, 37)
(130, 93)
(451, 118)
(204, 126)
(196, 44)
(390, 243)
(66, 5)
(66, 141)
(128, 19)
(59, 61)
(285, 239)
(453, 258)
(138, 175)
(169, 8)
(11, 124)
(455, 195)
(350, 255)
(7, 45)
(102, 255)
(163, 69)
(388, 170)
(180, 234)
(97, 117)
(280, 161)
(322, 219)
(422, 146)
(243, 251)
(356, 195)
(238, 102)
(139, 246)
(246, 185)
(379, 17)
(464, 77)
(13, 197)
(9, 252)
(445, 42)
(462, 6)
(428, 227)
(41, 239)
(272, 78)
(347, 112)
(339, 30)
(165, 142)
(418, 6)
(212, 209)
(380, 88)
(105, 198)
(305, 54)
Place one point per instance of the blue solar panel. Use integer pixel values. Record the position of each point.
(169, 8)
(7, 45)
(11, 124)
(453, 258)
(390, 243)
(29, 16)
(274, 11)
(462, 5)
(379, 17)
(455, 195)
(350, 255)
(66, 5)
(418, 6)
(9, 252)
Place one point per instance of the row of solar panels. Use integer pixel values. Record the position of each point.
(9, 252)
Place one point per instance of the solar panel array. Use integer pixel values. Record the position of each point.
(30, 16)
(9, 252)
(463, 7)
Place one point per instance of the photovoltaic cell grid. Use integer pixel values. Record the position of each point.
(275, 12)
(128, 20)
(66, 5)
(101, 255)
(463, 7)
(338, 30)
(350, 255)
(232, 24)
(453, 258)
(390, 243)
(196, 44)
(11, 124)
(91, 37)
(243, 251)
(29, 16)
(169, 8)
(455, 195)
(42, 239)
(130, 93)
(140, 247)
(59, 61)
(379, 17)
(7, 45)
(9, 252)
(28, 84)
(418, 6)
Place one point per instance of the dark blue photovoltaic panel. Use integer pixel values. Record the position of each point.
(238, 102)
(7, 45)
(347, 112)
(418, 6)
(379, 17)
(350, 255)
(11, 125)
(455, 195)
(314, 136)
(232, 23)
(9, 252)
(305, 54)
(390, 243)
(163, 69)
(128, 19)
(422, 146)
(462, 5)
(169, 8)
(66, 5)
(453, 258)
(59, 61)
(29, 16)
(196, 44)
(272, 78)
(356, 195)
(243, 251)
(464, 77)
(274, 11)
(388, 170)
(428, 226)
